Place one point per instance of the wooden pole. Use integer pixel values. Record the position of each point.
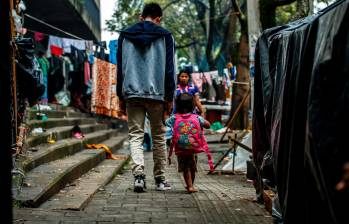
(6, 118)
(221, 159)
(236, 113)
(234, 155)
(13, 64)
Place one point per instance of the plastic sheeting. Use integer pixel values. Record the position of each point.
(301, 108)
(241, 157)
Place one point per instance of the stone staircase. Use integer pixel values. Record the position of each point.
(65, 175)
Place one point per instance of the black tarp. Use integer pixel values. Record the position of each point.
(301, 113)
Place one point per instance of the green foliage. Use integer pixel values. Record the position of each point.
(286, 13)
(187, 20)
(127, 12)
(179, 18)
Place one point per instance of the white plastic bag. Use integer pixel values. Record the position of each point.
(63, 98)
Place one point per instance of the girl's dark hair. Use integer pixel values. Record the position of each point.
(184, 71)
(184, 103)
(152, 10)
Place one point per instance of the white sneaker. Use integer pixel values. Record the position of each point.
(163, 186)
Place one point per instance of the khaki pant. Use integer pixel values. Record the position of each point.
(136, 111)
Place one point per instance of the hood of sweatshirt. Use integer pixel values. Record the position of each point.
(144, 33)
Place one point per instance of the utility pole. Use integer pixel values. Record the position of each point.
(6, 71)
(254, 30)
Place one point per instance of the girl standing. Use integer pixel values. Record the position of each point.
(184, 86)
(188, 138)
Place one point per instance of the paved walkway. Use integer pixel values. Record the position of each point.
(221, 199)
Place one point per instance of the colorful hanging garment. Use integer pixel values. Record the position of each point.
(104, 99)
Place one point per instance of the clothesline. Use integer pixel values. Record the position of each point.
(53, 27)
(34, 31)
(56, 28)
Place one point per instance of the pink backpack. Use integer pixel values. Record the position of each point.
(188, 137)
(187, 134)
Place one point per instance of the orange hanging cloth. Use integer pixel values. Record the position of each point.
(107, 150)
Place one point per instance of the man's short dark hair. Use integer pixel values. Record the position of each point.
(152, 10)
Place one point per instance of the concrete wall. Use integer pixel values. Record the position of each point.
(89, 10)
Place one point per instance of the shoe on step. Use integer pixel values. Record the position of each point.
(139, 184)
(162, 185)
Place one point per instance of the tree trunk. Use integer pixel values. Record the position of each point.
(7, 114)
(229, 34)
(210, 38)
(201, 11)
(239, 91)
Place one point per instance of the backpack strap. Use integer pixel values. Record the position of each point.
(208, 153)
(205, 145)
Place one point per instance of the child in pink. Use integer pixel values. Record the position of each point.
(185, 86)
(188, 138)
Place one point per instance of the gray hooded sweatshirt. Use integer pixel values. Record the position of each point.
(145, 62)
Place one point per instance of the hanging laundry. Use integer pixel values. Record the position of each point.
(100, 50)
(199, 77)
(89, 47)
(205, 88)
(197, 80)
(226, 74)
(55, 46)
(91, 59)
(211, 94)
(78, 44)
(214, 75)
(87, 72)
(38, 36)
(78, 58)
(220, 91)
(45, 66)
(56, 50)
(104, 100)
(55, 78)
(208, 78)
(113, 47)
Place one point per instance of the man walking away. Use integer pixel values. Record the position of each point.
(146, 84)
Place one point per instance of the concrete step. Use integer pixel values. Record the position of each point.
(46, 180)
(53, 107)
(60, 107)
(59, 122)
(49, 152)
(76, 195)
(57, 114)
(62, 133)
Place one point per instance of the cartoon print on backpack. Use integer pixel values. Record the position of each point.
(187, 138)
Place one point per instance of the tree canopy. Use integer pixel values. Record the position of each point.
(207, 32)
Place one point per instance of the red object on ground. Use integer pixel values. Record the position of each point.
(214, 115)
